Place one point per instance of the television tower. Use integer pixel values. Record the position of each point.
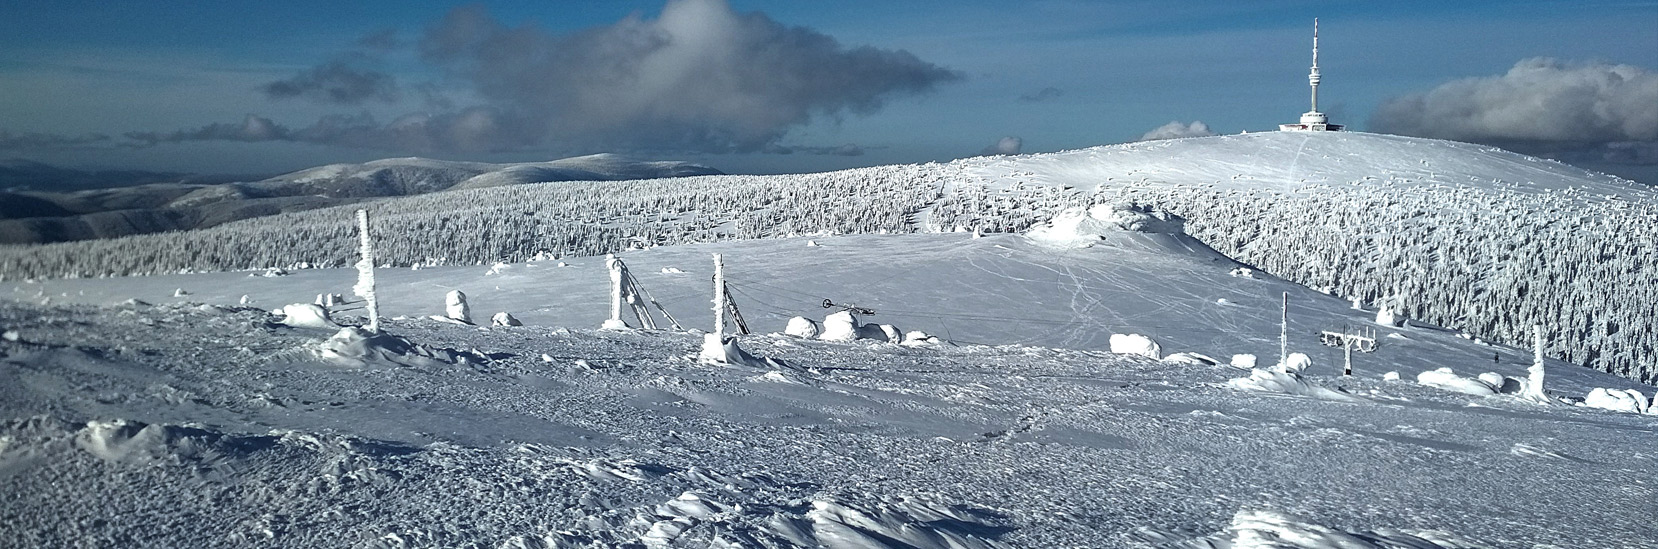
(1312, 120)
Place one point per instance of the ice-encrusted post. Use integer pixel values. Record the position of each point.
(1534, 381)
(1284, 334)
(719, 298)
(365, 273)
(1347, 345)
(615, 266)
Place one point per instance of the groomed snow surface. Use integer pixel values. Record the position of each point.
(137, 417)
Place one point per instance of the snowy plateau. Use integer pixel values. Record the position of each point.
(1077, 349)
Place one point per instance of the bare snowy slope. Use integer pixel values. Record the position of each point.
(1300, 162)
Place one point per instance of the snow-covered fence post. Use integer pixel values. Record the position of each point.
(365, 273)
(719, 298)
(615, 266)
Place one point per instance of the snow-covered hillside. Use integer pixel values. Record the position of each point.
(1464, 236)
(412, 176)
(138, 408)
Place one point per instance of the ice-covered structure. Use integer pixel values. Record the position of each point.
(1312, 120)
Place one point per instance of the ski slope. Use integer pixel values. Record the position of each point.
(130, 420)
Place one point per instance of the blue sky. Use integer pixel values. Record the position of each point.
(187, 86)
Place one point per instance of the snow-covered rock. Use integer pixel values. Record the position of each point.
(916, 338)
(801, 327)
(504, 318)
(1620, 400)
(1295, 363)
(1136, 344)
(1243, 361)
(306, 315)
(455, 307)
(840, 326)
(1444, 378)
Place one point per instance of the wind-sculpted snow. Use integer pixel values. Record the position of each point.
(1461, 236)
(196, 426)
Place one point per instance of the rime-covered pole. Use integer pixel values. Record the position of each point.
(1534, 381)
(365, 272)
(615, 266)
(1347, 345)
(1284, 334)
(719, 298)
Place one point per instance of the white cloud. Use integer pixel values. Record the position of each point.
(1177, 130)
(1538, 101)
(1005, 146)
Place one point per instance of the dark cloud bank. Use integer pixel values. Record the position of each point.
(1596, 114)
(337, 82)
(698, 78)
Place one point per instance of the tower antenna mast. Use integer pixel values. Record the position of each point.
(1313, 120)
(1312, 77)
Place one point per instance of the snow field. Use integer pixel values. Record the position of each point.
(635, 442)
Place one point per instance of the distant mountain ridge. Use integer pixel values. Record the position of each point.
(172, 203)
(18, 174)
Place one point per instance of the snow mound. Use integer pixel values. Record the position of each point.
(1619, 400)
(1072, 228)
(1078, 228)
(1254, 529)
(715, 351)
(801, 327)
(917, 338)
(900, 522)
(1296, 363)
(133, 442)
(1444, 378)
(1268, 381)
(1136, 344)
(358, 347)
(1192, 359)
(306, 315)
(840, 326)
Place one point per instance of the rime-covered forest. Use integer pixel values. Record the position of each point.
(1488, 262)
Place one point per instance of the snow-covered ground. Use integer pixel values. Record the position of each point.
(187, 419)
